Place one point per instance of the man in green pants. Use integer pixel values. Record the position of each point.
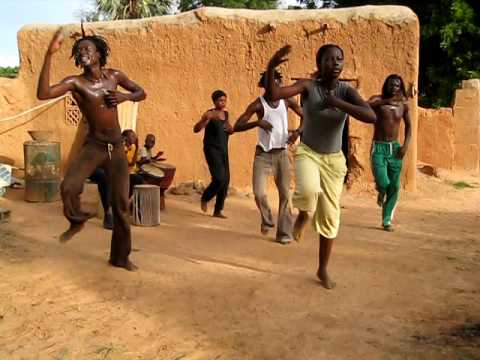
(387, 153)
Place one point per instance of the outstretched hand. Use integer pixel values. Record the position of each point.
(56, 41)
(280, 56)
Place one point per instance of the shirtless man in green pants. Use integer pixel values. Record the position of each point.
(387, 153)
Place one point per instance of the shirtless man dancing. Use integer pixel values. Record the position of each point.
(95, 91)
(387, 153)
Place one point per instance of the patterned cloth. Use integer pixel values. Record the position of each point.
(5, 177)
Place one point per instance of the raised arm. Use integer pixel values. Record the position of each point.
(202, 122)
(275, 92)
(408, 131)
(355, 106)
(45, 91)
(243, 124)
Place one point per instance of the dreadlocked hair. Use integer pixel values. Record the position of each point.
(276, 75)
(386, 93)
(100, 44)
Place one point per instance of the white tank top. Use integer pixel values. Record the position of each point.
(278, 117)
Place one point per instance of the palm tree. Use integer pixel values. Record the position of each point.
(126, 9)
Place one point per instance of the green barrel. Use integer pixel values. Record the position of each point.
(42, 170)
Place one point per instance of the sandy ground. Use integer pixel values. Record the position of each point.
(215, 289)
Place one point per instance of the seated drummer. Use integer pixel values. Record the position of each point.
(145, 153)
(131, 149)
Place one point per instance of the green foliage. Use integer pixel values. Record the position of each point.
(449, 44)
(126, 9)
(313, 4)
(9, 72)
(186, 5)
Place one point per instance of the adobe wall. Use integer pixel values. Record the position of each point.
(467, 126)
(436, 137)
(181, 59)
(449, 138)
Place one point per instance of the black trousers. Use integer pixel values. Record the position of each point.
(99, 177)
(112, 158)
(217, 161)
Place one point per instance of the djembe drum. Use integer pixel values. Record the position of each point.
(146, 205)
(152, 174)
(169, 172)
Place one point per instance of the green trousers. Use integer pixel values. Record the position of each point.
(387, 167)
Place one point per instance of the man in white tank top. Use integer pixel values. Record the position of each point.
(271, 156)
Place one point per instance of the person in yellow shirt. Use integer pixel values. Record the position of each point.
(131, 150)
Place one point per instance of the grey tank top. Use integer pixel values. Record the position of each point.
(323, 128)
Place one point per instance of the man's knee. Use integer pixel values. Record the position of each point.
(394, 186)
(382, 184)
(283, 189)
(120, 209)
(219, 181)
(260, 195)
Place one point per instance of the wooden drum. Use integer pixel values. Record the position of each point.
(165, 182)
(146, 205)
(169, 171)
(152, 174)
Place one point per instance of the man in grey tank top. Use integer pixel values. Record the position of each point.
(271, 156)
(320, 166)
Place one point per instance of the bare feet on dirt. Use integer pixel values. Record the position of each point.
(219, 215)
(299, 226)
(325, 279)
(72, 230)
(128, 266)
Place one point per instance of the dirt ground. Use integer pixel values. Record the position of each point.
(215, 289)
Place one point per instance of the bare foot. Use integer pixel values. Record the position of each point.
(219, 215)
(325, 279)
(204, 206)
(380, 199)
(299, 226)
(127, 266)
(264, 229)
(72, 230)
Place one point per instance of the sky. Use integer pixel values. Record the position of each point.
(16, 13)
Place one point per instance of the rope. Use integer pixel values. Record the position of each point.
(33, 109)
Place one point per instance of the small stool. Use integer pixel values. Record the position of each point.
(146, 205)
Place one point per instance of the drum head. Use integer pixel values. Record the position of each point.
(153, 170)
(163, 165)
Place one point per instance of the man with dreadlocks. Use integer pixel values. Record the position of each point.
(387, 153)
(95, 91)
